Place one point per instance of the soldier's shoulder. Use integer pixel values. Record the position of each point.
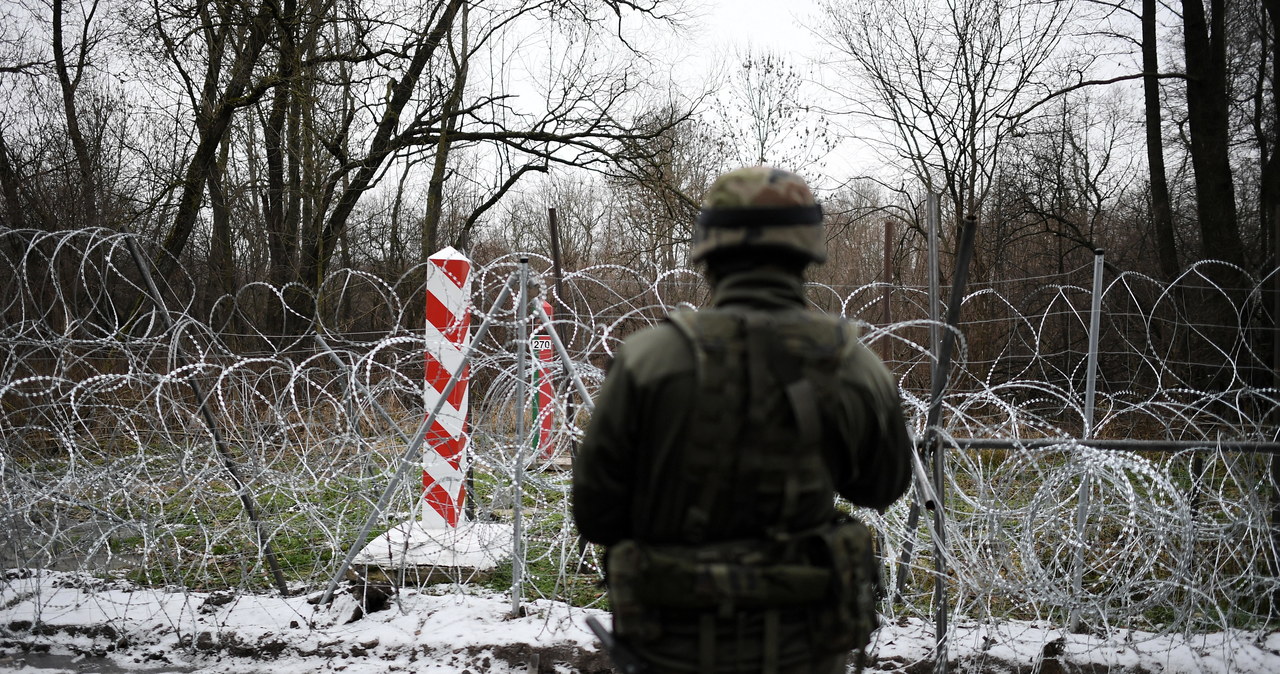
(653, 336)
(864, 369)
(657, 350)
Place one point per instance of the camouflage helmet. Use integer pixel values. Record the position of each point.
(759, 207)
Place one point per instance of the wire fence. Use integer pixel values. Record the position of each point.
(112, 464)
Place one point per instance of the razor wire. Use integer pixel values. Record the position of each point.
(106, 466)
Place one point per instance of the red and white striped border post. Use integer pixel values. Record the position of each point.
(544, 407)
(448, 334)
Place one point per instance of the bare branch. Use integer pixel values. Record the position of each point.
(1090, 83)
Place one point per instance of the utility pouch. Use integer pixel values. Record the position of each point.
(719, 578)
(849, 617)
(634, 620)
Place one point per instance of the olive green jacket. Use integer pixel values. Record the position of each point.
(643, 410)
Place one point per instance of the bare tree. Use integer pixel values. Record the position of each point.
(946, 79)
(56, 154)
(13, 63)
(659, 188)
(1063, 180)
(297, 109)
(765, 118)
(584, 213)
(431, 107)
(215, 89)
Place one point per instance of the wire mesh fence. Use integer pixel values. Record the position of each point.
(110, 466)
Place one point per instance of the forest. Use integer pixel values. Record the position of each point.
(288, 166)
(276, 140)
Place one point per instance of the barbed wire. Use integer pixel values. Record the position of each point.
(108, 468)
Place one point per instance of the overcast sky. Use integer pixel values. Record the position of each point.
(776, 24)
(725, 27)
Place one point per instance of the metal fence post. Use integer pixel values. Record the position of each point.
(1095, 322)
(933, 217)
(517, 495)
(1086, 482)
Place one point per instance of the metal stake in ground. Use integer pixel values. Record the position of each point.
(933, 216)
(228, 460)
(933, 444)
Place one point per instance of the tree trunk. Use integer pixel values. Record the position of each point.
(221, 248)
(1269, 198)
(278, 244)
(435, 195)
(212, 122)
(1207, 121)
(88, 196)
(435, 188)
(9, 186)
(1161, 211)
(281, 218)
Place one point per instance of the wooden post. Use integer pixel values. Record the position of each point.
(556, 269)
(1275, 375)
(887, 318)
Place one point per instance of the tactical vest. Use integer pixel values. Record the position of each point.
(750, 493)
(753, 462)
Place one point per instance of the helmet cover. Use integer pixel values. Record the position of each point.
(759, 207)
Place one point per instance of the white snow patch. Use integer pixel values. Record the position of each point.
(453, 629)
(473, 545)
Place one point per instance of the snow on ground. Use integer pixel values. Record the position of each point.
(73, 623)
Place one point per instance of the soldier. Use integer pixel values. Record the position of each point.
(717, 445)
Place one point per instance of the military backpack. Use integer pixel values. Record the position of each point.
(754, 498)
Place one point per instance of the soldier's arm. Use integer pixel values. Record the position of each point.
(879, 445)
(603, 477)
(888, 460)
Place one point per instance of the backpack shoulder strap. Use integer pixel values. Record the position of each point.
(718, 340)
(806, 350)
